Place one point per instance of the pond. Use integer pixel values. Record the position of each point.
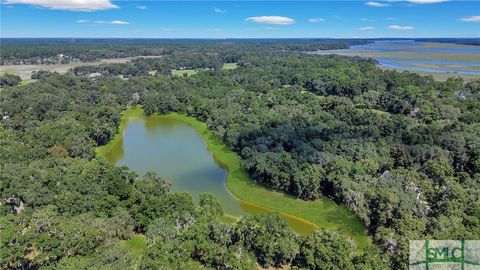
(176, 150)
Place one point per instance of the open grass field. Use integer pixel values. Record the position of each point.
(230, 66)
(181, 72)
(27, 81)
(136, 245)
(323, 212)
(190, 72)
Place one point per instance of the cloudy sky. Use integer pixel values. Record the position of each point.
(239, 19)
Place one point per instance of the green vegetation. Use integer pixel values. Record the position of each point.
(228, 219)
(51, 52)
(399, 150)
(184, 72)
(129, 113)
(7, 79)
(24, 82)
(230, 66)
(136, 245)
(323, 212)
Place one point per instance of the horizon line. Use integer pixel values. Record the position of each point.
(220, 38)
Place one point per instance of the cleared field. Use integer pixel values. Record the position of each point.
(27, 81)
(25, 71)
(136, 245)
(181, 72)
(230, 66)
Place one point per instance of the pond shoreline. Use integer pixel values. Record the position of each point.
(322, 213)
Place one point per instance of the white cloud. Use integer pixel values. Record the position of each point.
(421, 2)
(365, 28)
(399, 27)
(271, 20)
(314, 20)
(216, 29)
(141, 7)
(72, 5)
(471, 19)
(376, 4)
(390, 19)
(219, 10)
(117, 22)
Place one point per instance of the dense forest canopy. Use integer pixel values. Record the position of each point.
(64, 51)
(400, 150)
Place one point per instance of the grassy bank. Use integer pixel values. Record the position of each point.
(323, 213)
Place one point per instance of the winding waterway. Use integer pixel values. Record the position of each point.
(428, 57)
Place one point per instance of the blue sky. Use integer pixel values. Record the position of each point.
(239, 19)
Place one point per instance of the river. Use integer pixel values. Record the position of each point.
(426, 57)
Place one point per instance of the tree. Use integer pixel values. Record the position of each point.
(210, 205)
(325, 250)
(7, 79)
(273, 243)
(153, 185)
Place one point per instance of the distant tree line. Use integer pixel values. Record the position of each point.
(46, 51)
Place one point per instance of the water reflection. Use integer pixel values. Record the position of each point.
(177, 151)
